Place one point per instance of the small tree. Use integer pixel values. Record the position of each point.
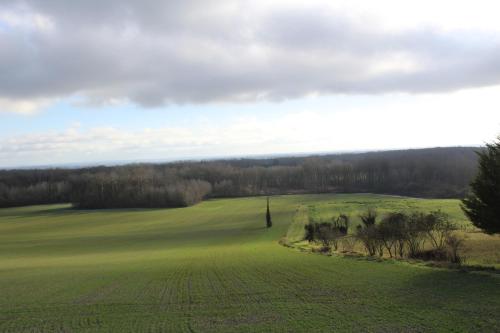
(482, 205)
(341, 223)
(369, 218)
(368, 234)
(269, 222)
(368, 237)
(326, 235)
(438, 227)
(309, 236)
(387, 234)
(455, 245)
(393, 232)
(415, 234)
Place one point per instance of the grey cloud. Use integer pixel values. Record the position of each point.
(156, 52)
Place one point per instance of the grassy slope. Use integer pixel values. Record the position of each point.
(213, 267)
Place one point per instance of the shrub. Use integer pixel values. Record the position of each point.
(325, 234)
(309, 236)
(348, 243)
(455, 244)
(328, 234)
(398, 233)
(438, 227)
(432, 254)
(342, 223)
(369, 218)
(415, 234)
(392, 231)
(368, 234)
(368, 237)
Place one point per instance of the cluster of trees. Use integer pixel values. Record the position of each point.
(403, 234)
(43, 192)
(438, 172)
(137, 189)
(328, 233)
(27, 187)
(415, 235)
(101, 187)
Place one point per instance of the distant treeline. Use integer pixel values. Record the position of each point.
(437, 172)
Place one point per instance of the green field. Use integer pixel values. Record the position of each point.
(215, 268)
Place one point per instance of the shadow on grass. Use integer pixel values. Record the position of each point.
(31, 211)
(471, 293)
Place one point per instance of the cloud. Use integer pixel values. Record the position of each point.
(154, 53)
(23, 106)
(467, 117)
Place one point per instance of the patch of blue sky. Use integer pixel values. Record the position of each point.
(4, 26)
(70, 113)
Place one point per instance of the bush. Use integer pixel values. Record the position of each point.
(438, 227)
(348, 243)
(432, 254)
(397, 233)
(342, 223)
(325, 234)
(455, 244)
(368, 236)
(392, 233)
(328, 234)
(309, 236)
(369, 218)
(415, 234)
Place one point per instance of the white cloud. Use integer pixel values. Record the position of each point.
(469, 117)
(410, 14)
(154, 53)
(23, 106)
(21, 17)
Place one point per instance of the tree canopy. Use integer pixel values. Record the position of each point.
(437, 172)
(482, 205)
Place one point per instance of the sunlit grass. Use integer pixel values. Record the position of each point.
(215, 267)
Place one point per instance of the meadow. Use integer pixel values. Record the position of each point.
(480, 250)
(214, 267)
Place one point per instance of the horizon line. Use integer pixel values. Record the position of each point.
(111, 163)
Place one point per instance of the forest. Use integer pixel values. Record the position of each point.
(432, 173)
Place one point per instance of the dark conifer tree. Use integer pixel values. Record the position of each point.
(482, 205)
(269, 222)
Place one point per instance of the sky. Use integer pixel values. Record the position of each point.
(121, 80)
